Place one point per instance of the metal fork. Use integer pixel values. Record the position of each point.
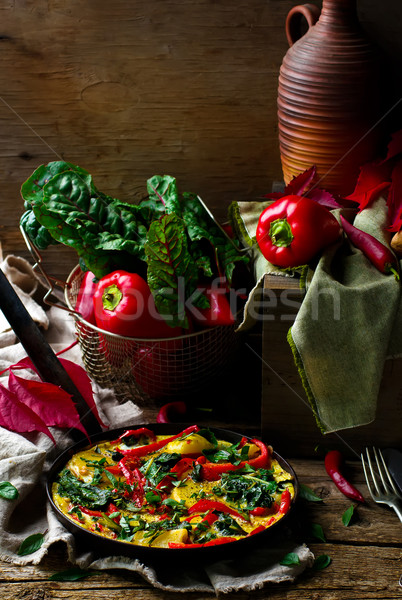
(384, 492)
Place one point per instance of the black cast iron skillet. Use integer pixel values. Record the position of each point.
(107, 547)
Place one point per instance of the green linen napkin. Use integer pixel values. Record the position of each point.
(349, 322)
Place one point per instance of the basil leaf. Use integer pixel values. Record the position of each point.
(8, 491)
(317, 532)
(348, 515)
(290, 559)
(31, 544)
(307, 494)
(172, 274)
(321, 562)
(72, 574)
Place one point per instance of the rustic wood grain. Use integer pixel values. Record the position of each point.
(365, 557)
(131, 89)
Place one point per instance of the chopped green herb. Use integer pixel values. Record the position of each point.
(31, 544)
(317, 532)
(307, 494)
(290, 559)
(348, 515)
(73, 574)
(8, 491)
(321, 562)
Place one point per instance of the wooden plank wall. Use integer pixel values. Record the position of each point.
(131, 88)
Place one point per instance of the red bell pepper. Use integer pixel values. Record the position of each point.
(149, 448)
(264, 511)
(171, 409)
(205, 505)
(259, 529)
(85, 303)
(213, 471)
(175, 473)
(216, 542)
(124, 305)
(219, 312)
(141, 431)
(285, 502)
(294, 229)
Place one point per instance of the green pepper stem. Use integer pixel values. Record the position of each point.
(280, 233)
(111, 297)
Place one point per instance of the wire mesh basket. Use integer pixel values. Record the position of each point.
(150, 368)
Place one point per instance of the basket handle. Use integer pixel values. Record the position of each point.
(51, 282)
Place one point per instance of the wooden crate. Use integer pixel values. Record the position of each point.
(287, 419)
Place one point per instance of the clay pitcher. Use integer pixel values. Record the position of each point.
(328, 96)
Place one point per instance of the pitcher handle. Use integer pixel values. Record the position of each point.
(293, 21)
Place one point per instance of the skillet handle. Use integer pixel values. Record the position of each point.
(40, 352)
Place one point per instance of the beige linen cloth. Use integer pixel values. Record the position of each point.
(25, 460)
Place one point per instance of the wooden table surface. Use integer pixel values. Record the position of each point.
(365, 556)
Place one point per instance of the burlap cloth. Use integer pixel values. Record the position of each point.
(25, 460)
(349, 322)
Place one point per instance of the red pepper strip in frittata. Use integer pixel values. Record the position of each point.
(149, 448)
(205, 505)
(217, 542)
(285, 502)
(137, 433)
(213, 471)
(184, 464)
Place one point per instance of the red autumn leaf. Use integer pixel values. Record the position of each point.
(394, 200)
(80, 378)
(373, 178)
(16, 416)
(77, 374)
(52, 404)
(296, 186)
(300, 182)
(394, 146)
(323, 197)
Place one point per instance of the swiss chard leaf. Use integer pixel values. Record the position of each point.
(32, 189)
(164, 190)
(209, 245)
(172, 274)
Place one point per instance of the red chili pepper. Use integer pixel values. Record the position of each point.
(219, 312)
(377, 253)
(124, 305)
(213, 471)
(147, 449)
(171, 409)
(285, 502)
(333, 462)
(205, 505)
(293, 229)
(85, 303)
(216, 542)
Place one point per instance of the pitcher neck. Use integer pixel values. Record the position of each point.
(337, 12)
